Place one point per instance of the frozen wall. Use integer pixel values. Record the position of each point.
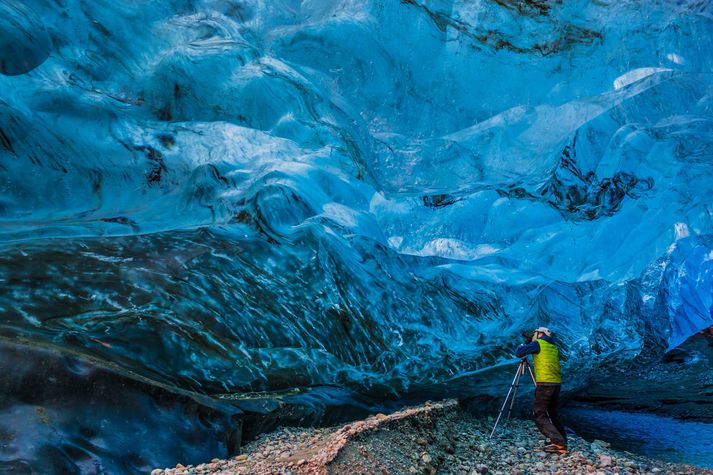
(231, 196)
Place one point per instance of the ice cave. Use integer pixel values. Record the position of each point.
(221, 216)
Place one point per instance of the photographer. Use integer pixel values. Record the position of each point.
(548, 378)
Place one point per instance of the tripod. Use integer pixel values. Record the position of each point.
(513, 390)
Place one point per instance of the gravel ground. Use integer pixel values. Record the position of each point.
(436, 438)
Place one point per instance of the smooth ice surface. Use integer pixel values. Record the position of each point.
(379, 196)
(656, 436)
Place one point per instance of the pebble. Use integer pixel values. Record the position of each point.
(425, 458)
(605, 461)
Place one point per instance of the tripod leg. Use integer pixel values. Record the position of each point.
(515, 382)
(532, 375)
(514, 393)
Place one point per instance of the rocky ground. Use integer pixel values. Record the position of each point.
(436, 438)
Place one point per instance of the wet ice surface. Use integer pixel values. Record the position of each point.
(63, 414)
(230, 197)
(656, 436)
(680, 385)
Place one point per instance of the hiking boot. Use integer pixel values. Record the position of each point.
(555, 448)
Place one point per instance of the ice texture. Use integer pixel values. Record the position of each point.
(231, 196)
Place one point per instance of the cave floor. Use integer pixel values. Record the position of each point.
(435, 438)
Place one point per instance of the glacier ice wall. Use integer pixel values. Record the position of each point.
(241, 195)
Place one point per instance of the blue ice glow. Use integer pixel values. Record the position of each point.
(230, 196)
(656, 436)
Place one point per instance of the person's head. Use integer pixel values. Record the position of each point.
(540, 331)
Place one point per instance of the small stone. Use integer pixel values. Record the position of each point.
(215, 460)
(655, 470)
(421, 441)
(301, 462)
(412, 469)
(605, 461)
(180, 466)
(241, 458)
(425, 458)
(157, 471)
(481, 468)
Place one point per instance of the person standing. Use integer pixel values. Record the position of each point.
(548, 377)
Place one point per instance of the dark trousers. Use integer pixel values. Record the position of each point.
(546, 418)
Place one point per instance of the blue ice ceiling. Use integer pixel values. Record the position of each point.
(229, 196)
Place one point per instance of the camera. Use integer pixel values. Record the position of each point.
(527, 336)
